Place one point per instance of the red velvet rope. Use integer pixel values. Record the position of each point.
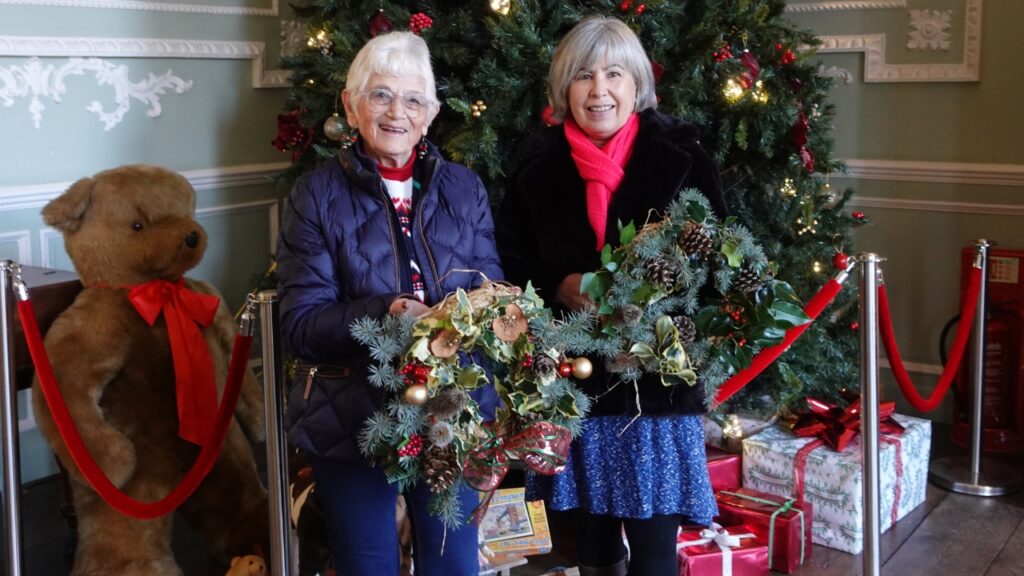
(963, 333)
(814, 307)
(80, 453)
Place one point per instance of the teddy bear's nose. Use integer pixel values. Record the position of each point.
(192, 240)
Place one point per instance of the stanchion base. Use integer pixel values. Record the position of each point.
(954, 474)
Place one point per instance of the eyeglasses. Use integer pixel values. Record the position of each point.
(380, 99)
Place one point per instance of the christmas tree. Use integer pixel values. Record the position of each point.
(736, 68)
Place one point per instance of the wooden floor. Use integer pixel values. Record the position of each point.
(950, 534)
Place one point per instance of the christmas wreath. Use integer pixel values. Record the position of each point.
(432, 430)
(686, 296)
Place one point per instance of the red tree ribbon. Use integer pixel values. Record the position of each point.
(836, 427)
(542, 446)
(183, 309)
(765, 357)
(963, 334)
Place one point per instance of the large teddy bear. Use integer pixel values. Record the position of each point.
(123, 228)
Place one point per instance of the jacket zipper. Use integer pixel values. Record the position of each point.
(309, 382)
(391, 228)
(430, 256)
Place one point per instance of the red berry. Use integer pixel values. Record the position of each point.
(858, 215)
(640, 9)
(854, 326)
(626, 4)
(840, 261)
(527, 361)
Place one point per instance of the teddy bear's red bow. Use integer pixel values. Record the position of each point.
(183, 309)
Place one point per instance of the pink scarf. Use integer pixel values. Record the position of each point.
(601, 168)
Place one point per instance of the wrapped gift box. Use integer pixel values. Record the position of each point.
(701, 555)
(783, 524)
(833, 480)
(724, 468)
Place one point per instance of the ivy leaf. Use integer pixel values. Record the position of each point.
(642, 351)
(606, 254)
(626, 233)
(731, 250)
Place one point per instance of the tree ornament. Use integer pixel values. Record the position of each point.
(626, 5)
(640, 9)
(565, 369)
(380, 24)
(419, 22)
(416, 394)
(753, 70)
(722, 54)
(501, 6)
(858, 215)
(321, 41)
(582, 368)
(695, 240)
(854, 326)
(477, 108)
(335, 128)
(840, 260)
(439, 468)
(687, 329)
(732, 90)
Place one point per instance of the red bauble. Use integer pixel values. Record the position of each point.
(565, 369)
(626, 4)
(380, 24)
(854, 326)
(840, 261)
(858, 215)
(640, 9)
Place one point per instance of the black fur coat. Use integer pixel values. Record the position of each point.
(543, 233)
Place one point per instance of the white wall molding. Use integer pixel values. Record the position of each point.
(876, 69)
(269, 205)
(151, 6)
(825, 6)
(20, 238)
(945, 172)
(1016, 210)
(96, 47)
(47, 236)
(37, 195)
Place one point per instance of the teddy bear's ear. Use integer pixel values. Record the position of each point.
(66, 211)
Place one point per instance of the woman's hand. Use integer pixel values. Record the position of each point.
(407, 306)
(568, 293)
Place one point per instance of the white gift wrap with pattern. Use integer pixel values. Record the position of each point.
(833, 481)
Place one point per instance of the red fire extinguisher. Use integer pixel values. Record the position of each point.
(1003, 376)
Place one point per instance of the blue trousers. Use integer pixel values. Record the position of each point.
(360, 508)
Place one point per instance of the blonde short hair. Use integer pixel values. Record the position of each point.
(592, 38)
(391, 54)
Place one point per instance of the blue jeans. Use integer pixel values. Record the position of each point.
(360, 508)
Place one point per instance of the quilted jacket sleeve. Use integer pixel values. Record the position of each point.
(314, 319)
(485, 253)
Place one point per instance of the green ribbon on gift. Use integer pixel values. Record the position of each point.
(781, 509)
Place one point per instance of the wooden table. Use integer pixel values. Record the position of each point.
(50, 292)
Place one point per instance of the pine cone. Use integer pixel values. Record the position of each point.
(627, 315)
(439, 468)
(695, 239)
(686, 327)
(544, 365)
(661, 273)
(446, 403)
(747, 281)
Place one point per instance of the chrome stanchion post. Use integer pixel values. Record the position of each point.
(277, 455)
(869, 412)
(978, 477)
(10, 275)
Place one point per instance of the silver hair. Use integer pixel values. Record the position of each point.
(391, 54)
(592, 38)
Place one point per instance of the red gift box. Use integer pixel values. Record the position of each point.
(724, 468)
(735, 551)
(783, 523)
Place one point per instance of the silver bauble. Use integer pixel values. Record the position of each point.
(335, 128)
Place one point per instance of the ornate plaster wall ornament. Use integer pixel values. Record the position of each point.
(930, 29)
(36, 80)
(293, 37)
(840, 74)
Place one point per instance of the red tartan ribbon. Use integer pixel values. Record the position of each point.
(183, 309)
(835, 426)
(542, 446)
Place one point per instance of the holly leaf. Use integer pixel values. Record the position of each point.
(472, 377)
(787, 315)
(696, 211)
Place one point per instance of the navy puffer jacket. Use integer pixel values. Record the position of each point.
(341, 256)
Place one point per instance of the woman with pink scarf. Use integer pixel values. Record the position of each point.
(614, 158)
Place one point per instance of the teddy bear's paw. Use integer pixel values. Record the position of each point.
(117, 458)
(250, 565)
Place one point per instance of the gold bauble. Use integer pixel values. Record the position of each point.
(582, 368)
(416, 394)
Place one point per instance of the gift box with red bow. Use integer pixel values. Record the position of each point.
(783, 524)
(733, 551)
(819, 461)
(724, 468)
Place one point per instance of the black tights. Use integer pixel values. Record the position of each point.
(652, 543)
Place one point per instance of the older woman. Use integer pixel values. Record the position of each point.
(388, 227)
(614, 159)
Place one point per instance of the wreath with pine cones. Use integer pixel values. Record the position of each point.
(431, 430)
(685, 297)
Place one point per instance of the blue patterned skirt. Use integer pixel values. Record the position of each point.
(657, 466)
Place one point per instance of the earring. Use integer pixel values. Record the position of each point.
(350, 139)
(421, 148)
